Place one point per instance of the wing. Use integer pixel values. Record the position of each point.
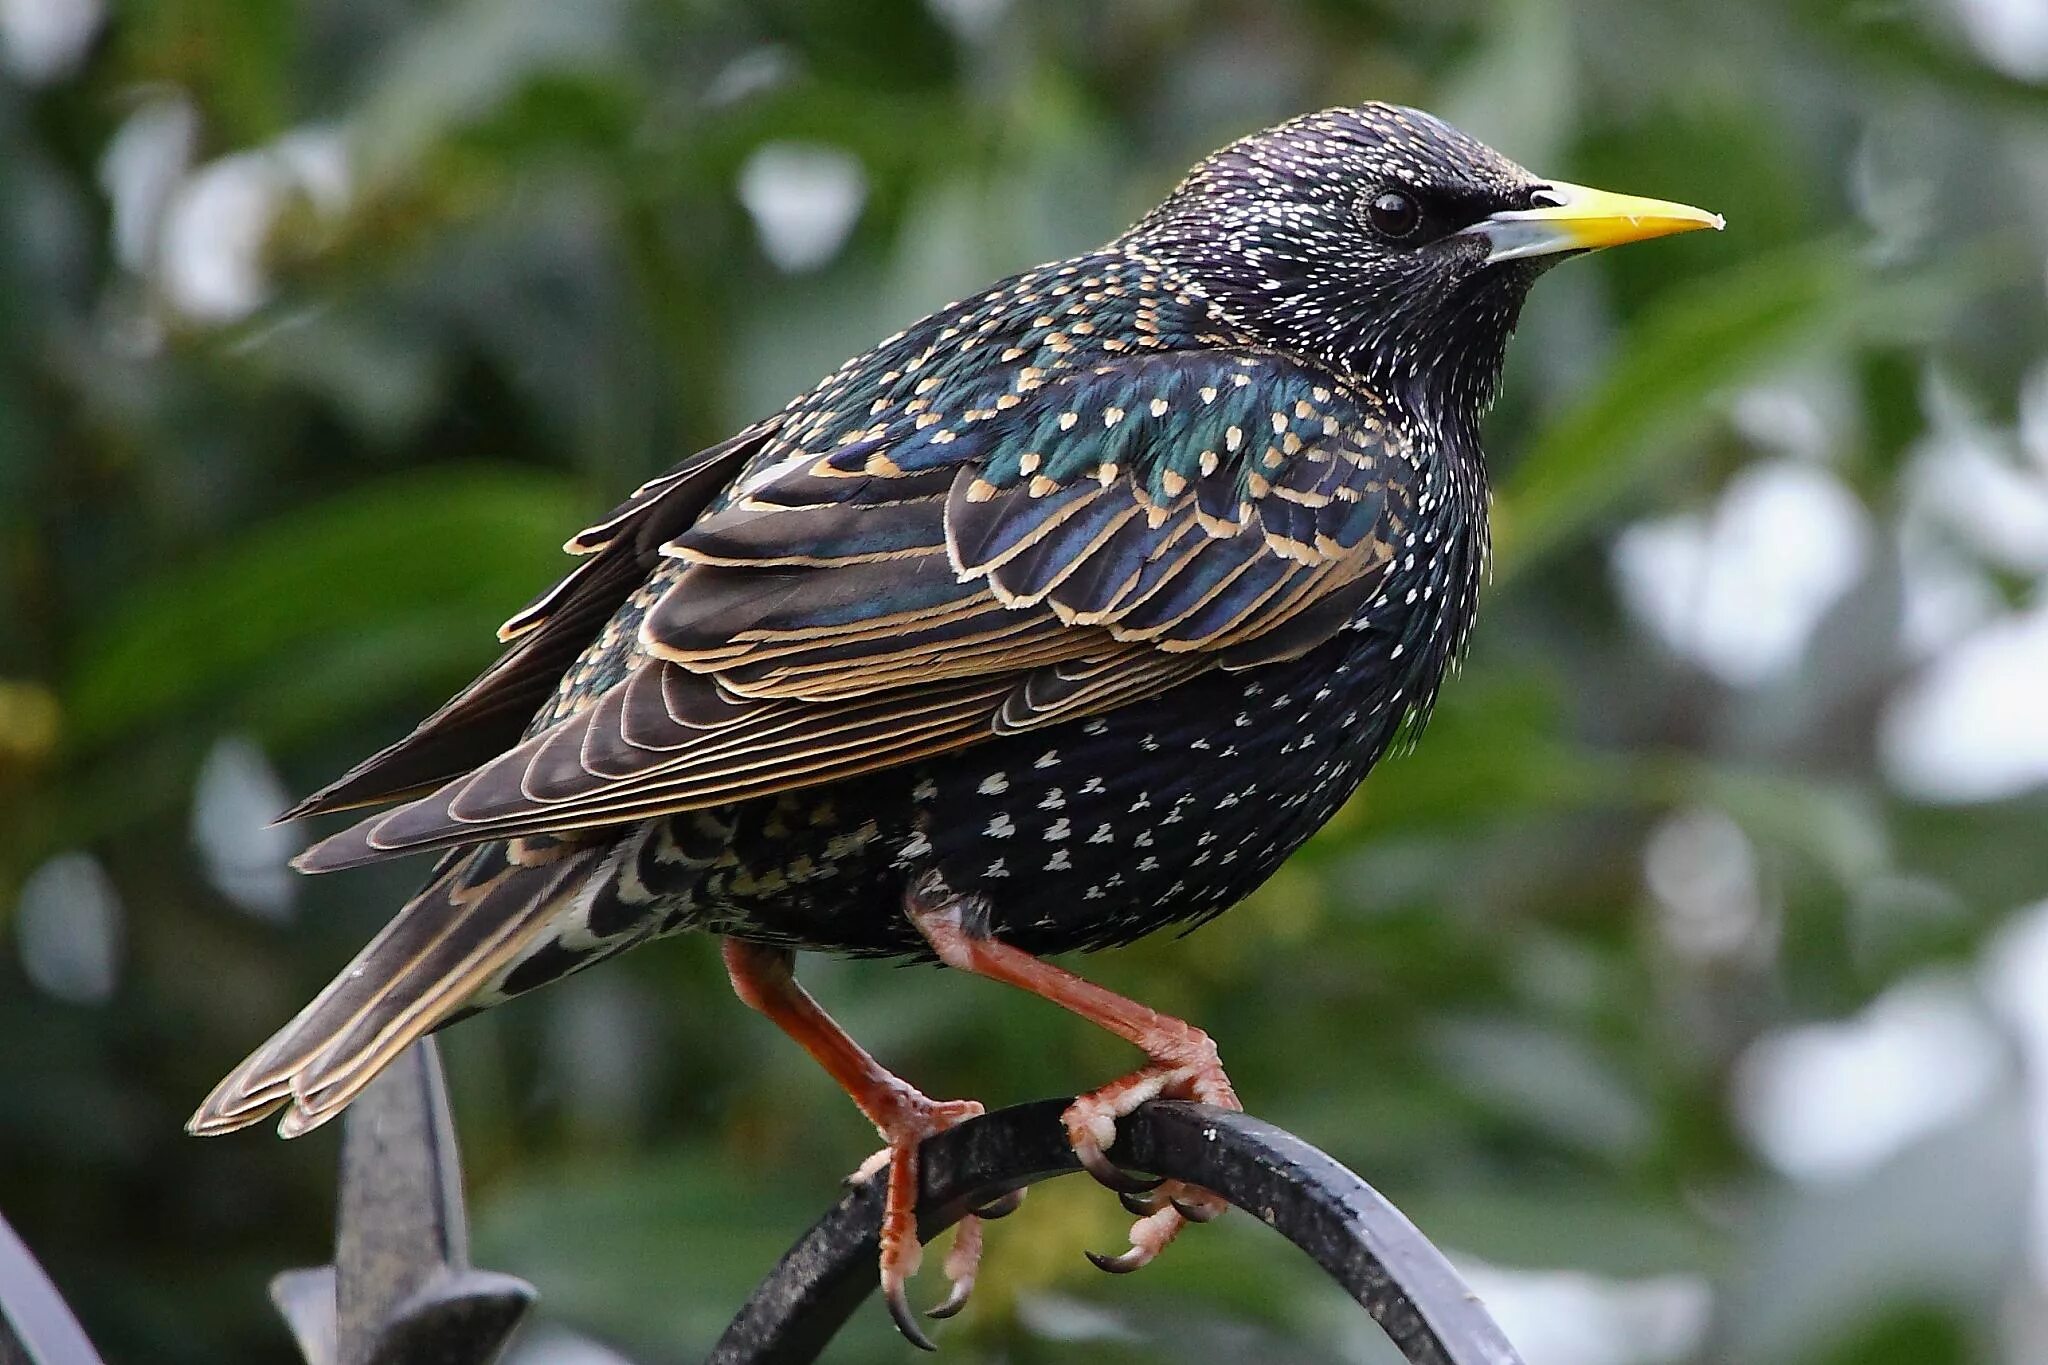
(546, 636)
(1019, 556)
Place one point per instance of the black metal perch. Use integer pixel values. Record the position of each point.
(1361, 1240)
(401, 1290)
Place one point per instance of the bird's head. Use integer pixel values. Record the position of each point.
(1387, 243)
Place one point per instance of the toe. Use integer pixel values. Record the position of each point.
(1150, 1235)
(963, 1264)
(900, 1252)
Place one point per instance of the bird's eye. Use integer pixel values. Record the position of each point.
(1394, 214)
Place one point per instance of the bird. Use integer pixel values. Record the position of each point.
(1062, 616)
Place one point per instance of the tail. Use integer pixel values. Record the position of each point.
(483, 910)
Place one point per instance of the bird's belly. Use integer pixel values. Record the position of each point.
(1083, 835)
(1097, 833)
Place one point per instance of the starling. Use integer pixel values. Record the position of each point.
(1061, 616)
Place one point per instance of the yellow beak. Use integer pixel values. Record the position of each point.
(1580, 219)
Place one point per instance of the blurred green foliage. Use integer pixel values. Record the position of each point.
(292, 509)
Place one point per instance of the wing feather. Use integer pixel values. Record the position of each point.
(1100, 540)
(547, 636)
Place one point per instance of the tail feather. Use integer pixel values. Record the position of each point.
(475, 917)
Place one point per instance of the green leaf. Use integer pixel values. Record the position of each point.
(1696, 342)
(449, 544)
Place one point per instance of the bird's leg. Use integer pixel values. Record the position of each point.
(1182, 1064)
(765, 978)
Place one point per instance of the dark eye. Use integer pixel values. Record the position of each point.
(1394, 214)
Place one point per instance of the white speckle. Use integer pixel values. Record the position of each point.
(1049, 759)
(995, 784)
(1000, 827)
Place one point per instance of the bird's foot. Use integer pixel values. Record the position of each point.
(1187, 1068)
(911, 1119)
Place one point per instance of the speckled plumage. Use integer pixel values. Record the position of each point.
(1095, 594)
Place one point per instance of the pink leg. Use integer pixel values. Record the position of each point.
(764, 978)
(1182, 1064)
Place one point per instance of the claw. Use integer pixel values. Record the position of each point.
(1002, 1207)
(1134, 1259)
(1108, 1173)
(899, 1309)
(1150, 1235)
(1143, 1205)
(956, 1300)
(1196, 1210)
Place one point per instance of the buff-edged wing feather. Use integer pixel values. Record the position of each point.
(1188, 511)
(546, 637)
(477, 914)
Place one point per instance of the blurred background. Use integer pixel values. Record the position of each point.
(1689, 982)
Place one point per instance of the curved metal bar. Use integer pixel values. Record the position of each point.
(1360, 1239)
(36, 1326)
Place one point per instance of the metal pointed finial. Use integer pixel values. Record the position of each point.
(401, 1288)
